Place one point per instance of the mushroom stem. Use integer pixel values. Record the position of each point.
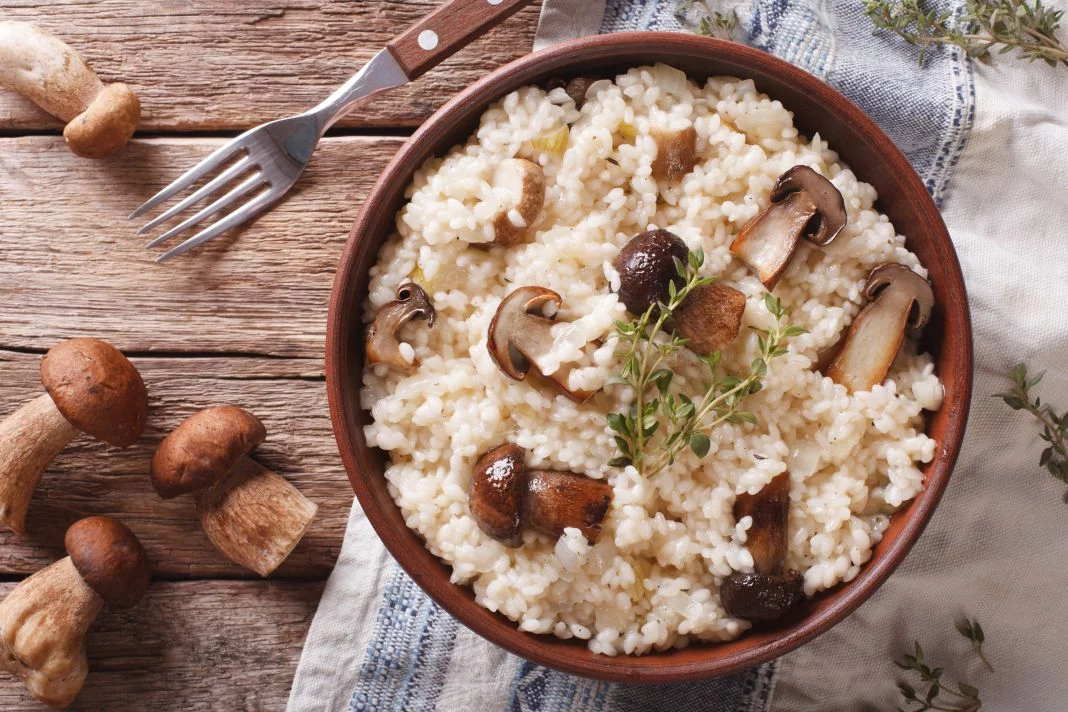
(30, 438)
(872, 343)
(43, 622)
(255, 517)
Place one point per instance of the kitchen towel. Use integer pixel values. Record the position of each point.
(991, 144)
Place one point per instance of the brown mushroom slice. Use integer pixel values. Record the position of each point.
(804, 204)
(766, 538)
(523, 182)
(44, 620)
(557, 500)
(646, 266)
(756, 597)
(710, 317)
(520, 332)
(495, 496)
(899, 299)
(383, 345)
(676, 152)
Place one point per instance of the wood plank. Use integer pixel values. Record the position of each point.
(226, 64)
(70, 263)
(195, 646)
(90, 478)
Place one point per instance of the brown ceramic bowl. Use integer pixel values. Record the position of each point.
(816, 107)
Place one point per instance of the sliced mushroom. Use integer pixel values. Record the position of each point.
(496, 493)
(556, 500)
(676, 152)
(899, 299)
(710, 317)
(523, 184)
(383, 346)
(520, 332)
(759, 596)
(803, 204)
(646, 265)
(576, 88)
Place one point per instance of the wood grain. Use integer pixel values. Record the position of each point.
(225, 64)
(194, 646)
(91, 478)
(70, 264)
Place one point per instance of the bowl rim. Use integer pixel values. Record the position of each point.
(649, 668)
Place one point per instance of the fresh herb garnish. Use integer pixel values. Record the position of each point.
(712, 23)
(1054, 427)
(661, 422)
(984, 28)
(960, 698)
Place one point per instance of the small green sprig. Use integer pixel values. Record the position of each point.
(1054, 456)
(712, 23)
(985, 28)
(680, 420)
(959, 698)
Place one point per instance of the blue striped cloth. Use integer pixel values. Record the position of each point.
(409, 651)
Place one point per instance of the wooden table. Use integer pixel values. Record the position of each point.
(241, 321)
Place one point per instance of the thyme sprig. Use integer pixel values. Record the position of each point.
(662, 421)
(1054, 427)
(985, 28)
(709, 22)
(959, 698)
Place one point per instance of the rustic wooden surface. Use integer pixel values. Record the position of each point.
(241, 322)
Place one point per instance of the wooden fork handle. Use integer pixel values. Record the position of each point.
(449, 28)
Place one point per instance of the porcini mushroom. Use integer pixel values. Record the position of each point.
(254, 516)
(646, 265)
(383, 345)
(44, 620)
(899, 300)
(505, 498)
(803, 204)
(37, 64)
(520, 187)
(520, 333)
(676, 152)
(90, 387)
(710, 317)
(768, 592)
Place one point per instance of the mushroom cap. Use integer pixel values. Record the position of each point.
(830, 215)
(519, 330)
(97, 389)
(109, 558)
(710, 317)
(203, 449)
(107, 123)
(496, 493)
(894, 273)
(761, 596)
(412, 302)
(646, 266)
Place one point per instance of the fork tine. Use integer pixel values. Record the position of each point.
(213, 161)
(223, 202)
(246, 212)
(217, 182)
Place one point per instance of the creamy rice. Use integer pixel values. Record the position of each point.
(652, 580)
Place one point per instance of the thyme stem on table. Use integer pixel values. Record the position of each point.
(1054, 427)
(965, 697)
(985, 27)
(709, 22)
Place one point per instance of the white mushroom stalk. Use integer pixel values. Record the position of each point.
(47, 71)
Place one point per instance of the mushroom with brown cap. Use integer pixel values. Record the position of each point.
(47, 71)
(676, 152)
(90, 387)
(804, 204)
(505, 498)
(769, 591)
(520, 186)
(383, 344)
(520, 333)
(44, 620)
(899, 300)
(254, 516)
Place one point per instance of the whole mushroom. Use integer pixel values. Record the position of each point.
(254, 516)
(44, 620)
(383, 344)
(91, 388)
(804, 204)
(505, 498)
(37, 64)
(899, 301)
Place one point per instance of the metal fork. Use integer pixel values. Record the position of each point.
(269, 159)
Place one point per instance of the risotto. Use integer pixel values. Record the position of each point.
(650, 576)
